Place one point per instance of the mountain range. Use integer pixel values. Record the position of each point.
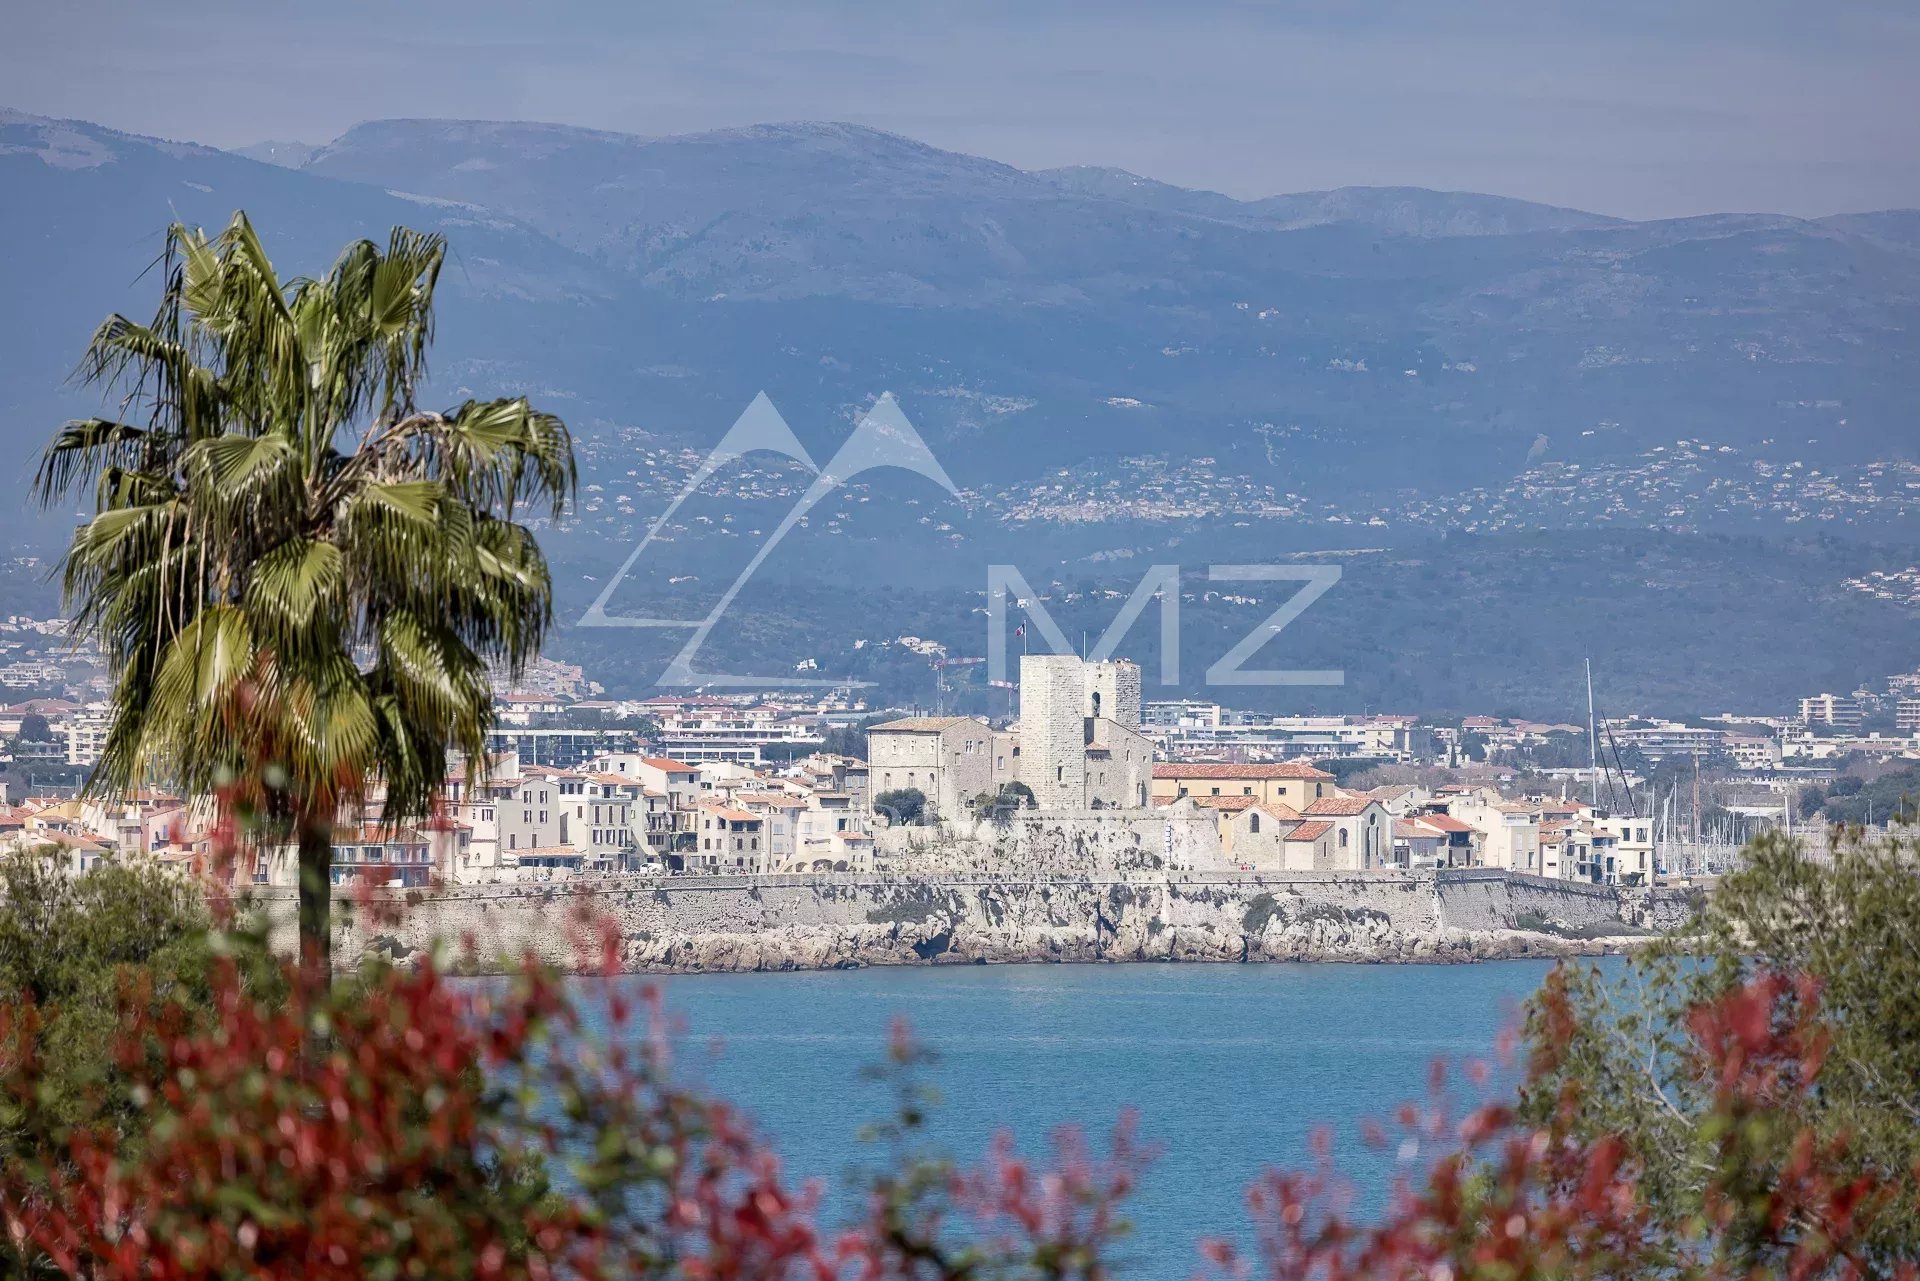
(1351, 354)
(1401, 338)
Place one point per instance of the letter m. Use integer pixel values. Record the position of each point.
(1160, 580)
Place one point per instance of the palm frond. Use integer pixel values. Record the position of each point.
(242, 554)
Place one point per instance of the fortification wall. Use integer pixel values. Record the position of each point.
(831, 921)
(1488, 899)
(1049, 844)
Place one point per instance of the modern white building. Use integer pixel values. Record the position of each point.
(1830, 709)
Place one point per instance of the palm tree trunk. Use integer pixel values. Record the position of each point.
(316, 901)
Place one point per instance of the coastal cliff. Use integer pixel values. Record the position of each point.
(721, 924)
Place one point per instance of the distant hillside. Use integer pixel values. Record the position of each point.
(1350, 370)
(291, 155)
(1376, 342)
(1400, 211)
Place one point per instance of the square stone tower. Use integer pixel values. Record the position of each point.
(1053, 729)
(1113, 691)
(1062, 699)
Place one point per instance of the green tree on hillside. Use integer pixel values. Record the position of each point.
(1845, 928)
(300, 577)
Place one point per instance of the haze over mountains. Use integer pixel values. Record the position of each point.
(1109, 366)
(659, 282)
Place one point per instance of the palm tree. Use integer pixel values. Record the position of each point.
(300, 578)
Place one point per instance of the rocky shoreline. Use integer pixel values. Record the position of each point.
(731, 925)
(735, 954)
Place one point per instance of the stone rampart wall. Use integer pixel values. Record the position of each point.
(829, 921)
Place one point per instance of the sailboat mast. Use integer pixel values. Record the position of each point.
(1593, 742)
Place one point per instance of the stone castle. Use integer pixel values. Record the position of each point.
(1077, 746)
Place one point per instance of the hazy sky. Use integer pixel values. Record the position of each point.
(1635, 107)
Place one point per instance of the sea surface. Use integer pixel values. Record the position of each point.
(1231, 1068)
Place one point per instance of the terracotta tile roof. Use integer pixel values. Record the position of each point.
(772, 800)
(1309, 831)
(924, 724)
(1231, 804)
(62, 840)
(1278, 811)
(1218, 769)
(1445, 822)
(668, 764)
(1341, 806)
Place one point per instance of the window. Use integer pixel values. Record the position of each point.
(1246, 791)
(1215, 791)
(1319, 790)
(1343, 838)
(1059, 773)
(1253, 823)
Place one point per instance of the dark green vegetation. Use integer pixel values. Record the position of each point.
(1000, 805)
(1853, 799)
(78, 948)
(1846, 932)
(904, 805)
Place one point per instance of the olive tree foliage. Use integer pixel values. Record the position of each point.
(1849, 925)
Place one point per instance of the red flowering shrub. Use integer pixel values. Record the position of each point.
(449, 1129)
(400, 1124)
(1513, 1201)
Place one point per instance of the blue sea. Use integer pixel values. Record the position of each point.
(1231, 1068)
